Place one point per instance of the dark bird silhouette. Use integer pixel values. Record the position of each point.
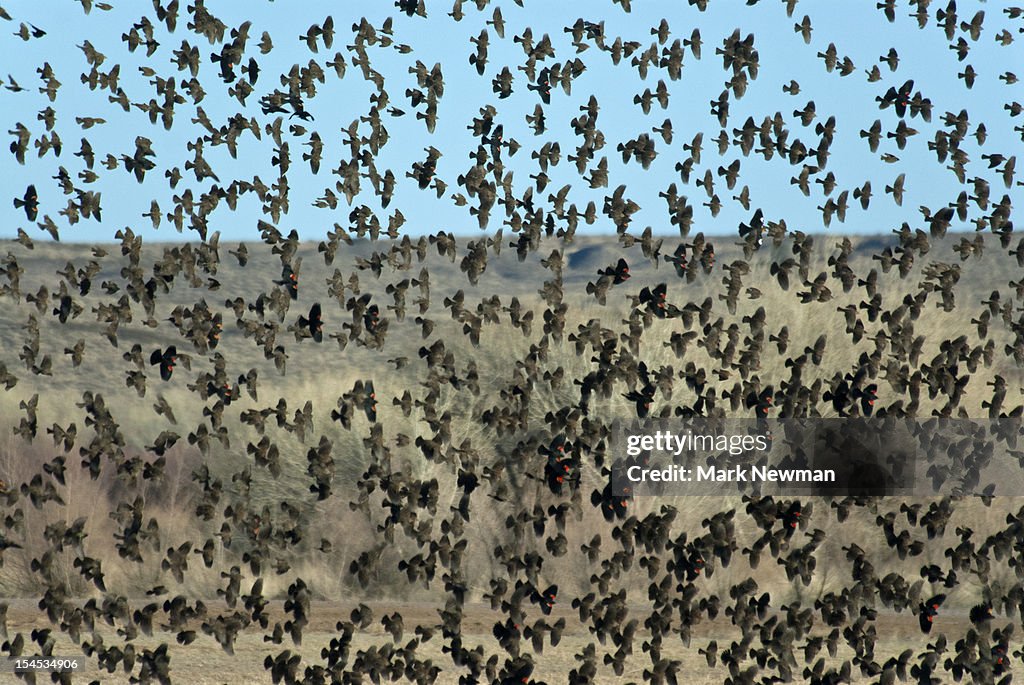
(165, 359)
(898, 97)
(29, 202)
(313, 323)
(928, 610)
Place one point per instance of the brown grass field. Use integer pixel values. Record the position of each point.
(333, 532)
(205, 663)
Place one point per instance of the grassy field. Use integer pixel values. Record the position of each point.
(220, 496)
(205, 663)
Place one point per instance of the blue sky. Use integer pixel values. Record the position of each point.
(856, 28)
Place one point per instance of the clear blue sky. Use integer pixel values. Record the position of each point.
(857, 29)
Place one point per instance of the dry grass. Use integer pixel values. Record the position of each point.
(205, 663)
(321, 373)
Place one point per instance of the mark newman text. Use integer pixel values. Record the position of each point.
(736, 474)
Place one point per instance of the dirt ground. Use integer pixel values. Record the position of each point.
(204, 662)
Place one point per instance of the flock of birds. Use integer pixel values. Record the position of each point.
(647, 578)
